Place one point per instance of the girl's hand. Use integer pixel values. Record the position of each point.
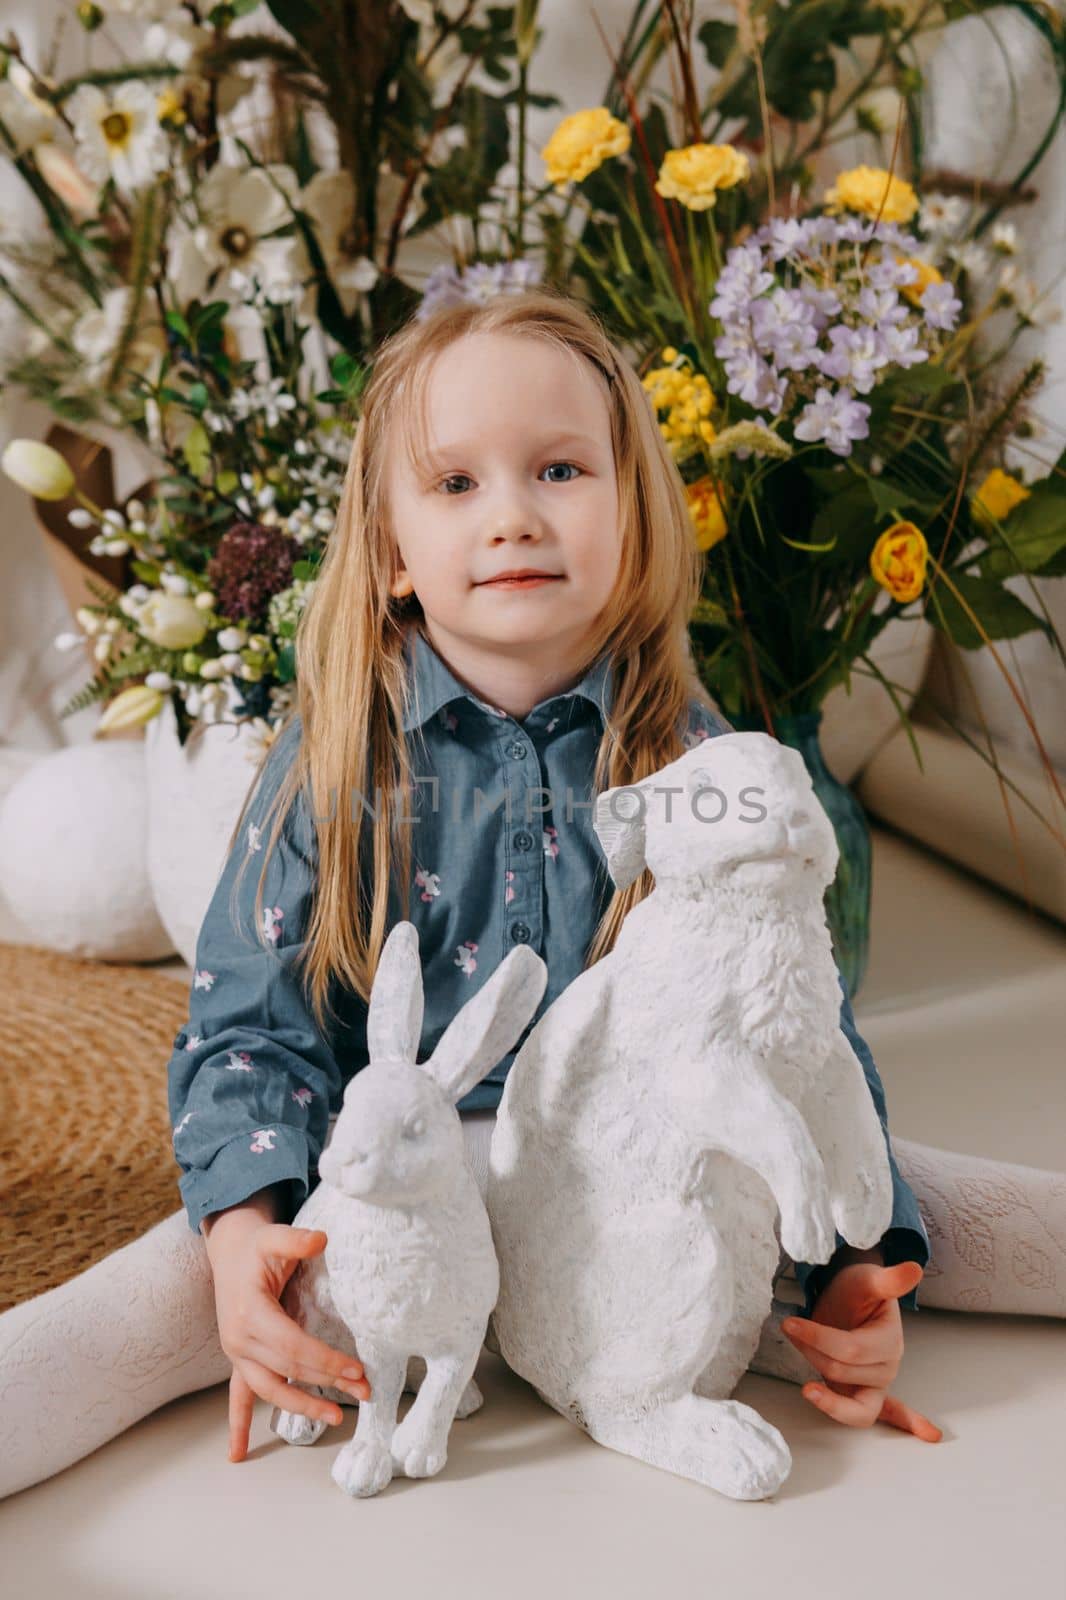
(251, 1266)
(854, 1337)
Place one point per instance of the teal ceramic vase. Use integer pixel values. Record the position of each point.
(847, 900)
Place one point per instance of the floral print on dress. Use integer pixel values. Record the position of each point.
(183, 1121)
(695, 736)
(429, 883)
(240, 1061)
(273, 917)
(465, 957)
(255, 837)
(549, 836)
(263, 1141)
(203, 980)
(508, 893)
(447, 719)
(303, 1097)
(193, 1040)
(552, 725)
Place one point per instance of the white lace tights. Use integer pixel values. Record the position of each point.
(83, 1362)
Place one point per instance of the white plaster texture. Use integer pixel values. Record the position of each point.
(409, 1271)
(677, 1101)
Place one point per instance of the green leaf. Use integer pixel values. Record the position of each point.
(717, 39)
(196, 448)
(1002, 614)
(1035, 532)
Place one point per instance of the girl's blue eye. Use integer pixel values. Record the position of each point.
(462, 477)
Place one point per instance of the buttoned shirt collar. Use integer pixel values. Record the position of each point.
(432, 684)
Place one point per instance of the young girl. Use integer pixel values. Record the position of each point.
(453, 724)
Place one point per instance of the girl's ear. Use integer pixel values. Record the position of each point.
(401, 585)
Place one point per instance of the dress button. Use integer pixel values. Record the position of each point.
(516, 751)
(520, 932)
(523, 841)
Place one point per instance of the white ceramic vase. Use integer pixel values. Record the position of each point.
(195, 793)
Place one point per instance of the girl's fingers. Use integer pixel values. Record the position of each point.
(898, 1415)
(241, 1406)
(282, 1345)
(857, 1410)
(289, 1396)
(873, 1344)
(876, 1376)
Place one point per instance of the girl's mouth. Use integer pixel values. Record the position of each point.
(520, 583)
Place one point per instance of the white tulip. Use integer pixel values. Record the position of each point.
(38, 469)
(174, 583)
(172, 621)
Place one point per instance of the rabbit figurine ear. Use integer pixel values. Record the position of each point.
(394, 1018)
(618, 821)
(488, 1024)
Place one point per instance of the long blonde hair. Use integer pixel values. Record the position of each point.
(351, 673)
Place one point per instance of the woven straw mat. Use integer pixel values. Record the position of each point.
(86, 1154)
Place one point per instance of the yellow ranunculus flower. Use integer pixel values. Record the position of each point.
(172, 621)
(874, 192)
(705, 509)
(694, 174)
(927, 274)
(997, 496)
(38, 469)
(131, 709)
(581, 143)
(898, 561)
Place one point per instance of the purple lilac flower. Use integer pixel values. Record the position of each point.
(881, 306)
(453, 286)
(941, 306)
(856, 357)
(838, 418)
(903, 347)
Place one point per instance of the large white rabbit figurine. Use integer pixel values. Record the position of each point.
(674, 1099)
(409, 1273)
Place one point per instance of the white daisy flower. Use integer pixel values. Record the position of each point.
(329, 201)
(239, 210)
(118, 135)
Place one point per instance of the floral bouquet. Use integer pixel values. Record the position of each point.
(230, 219)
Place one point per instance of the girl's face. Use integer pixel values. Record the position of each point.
(520, 475)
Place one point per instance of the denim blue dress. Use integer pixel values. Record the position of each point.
(503, 852)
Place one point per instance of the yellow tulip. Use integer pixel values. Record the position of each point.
(875, 193)
(695, 173)
(581, 143)
(131, 709)
(898, 561)
(705, 509)
(998, 494)
(38, 469)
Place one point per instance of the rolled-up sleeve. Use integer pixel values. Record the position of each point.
(906, 1238)
(251, 1078)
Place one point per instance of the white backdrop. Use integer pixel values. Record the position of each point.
(971, 75)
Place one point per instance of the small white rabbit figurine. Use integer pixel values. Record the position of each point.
(409, 1270)
(673, 1100)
